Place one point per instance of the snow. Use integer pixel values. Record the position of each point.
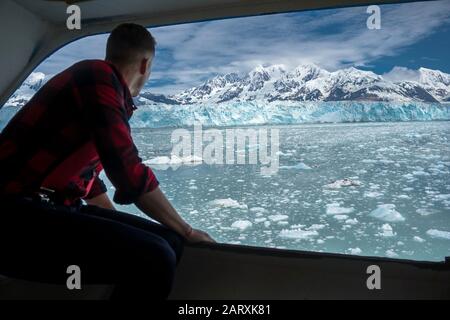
(387, 212)
(241, 225)
(439, 234)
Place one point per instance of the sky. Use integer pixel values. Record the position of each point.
(412, 35)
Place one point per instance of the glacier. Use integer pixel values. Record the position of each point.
(252, 113)
(280, 113)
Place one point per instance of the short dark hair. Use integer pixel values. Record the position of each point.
(127, 41)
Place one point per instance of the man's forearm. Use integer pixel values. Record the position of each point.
(157, 206)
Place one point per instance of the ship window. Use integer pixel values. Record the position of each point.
(320, 131)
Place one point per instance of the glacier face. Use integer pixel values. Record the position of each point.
(252, 113)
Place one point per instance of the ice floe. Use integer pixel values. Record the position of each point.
(241, 224)
(278, 217)
(354, 251)
(439, 234)
(299, 166)
(346, 182)
(298, 234)
(228, 203)
(335, 209)
(351, 221)
(426, 211)
(387, 212)
(391, 253)
(386, 231)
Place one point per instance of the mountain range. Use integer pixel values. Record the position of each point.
(308, 82)
(275, 83)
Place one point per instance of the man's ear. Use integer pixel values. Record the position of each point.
(143, 66)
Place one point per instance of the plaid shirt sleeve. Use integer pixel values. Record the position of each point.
(98, 187)
(105, 114)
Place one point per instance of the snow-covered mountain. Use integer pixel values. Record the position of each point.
(309, 82)
(29, 87)
(305, 83)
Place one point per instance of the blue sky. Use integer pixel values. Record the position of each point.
(411, 36)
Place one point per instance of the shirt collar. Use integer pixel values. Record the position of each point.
(129, 103)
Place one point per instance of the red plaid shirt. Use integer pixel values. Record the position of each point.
(72, 128)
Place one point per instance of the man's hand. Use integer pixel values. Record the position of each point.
(196, 236)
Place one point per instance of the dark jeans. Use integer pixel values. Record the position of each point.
(39, 241)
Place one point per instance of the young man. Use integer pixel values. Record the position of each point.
(51, 154)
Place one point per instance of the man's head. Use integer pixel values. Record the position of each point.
(131, 49)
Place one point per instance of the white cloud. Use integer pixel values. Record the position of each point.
(191, 53)
(401, 74)
(332, 39)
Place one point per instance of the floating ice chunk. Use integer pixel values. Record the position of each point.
(299, 166)
(298, 234)
(351, 221)
(266, 224)
(258, 220)
(354, 251)
(426, 211)
(442, 197)
(343, 183)
(315, 227)
(278, 217)
(387, 212)
(320, 241)
(241, 225)
(228, 203)
(403, 196)
(420, 173)
(164, 160)
(340, 217)
(439, 234)
(372, 194)
(386, 231)
(391, 253)
(418, 239)
(258, 209)
(335, 208)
